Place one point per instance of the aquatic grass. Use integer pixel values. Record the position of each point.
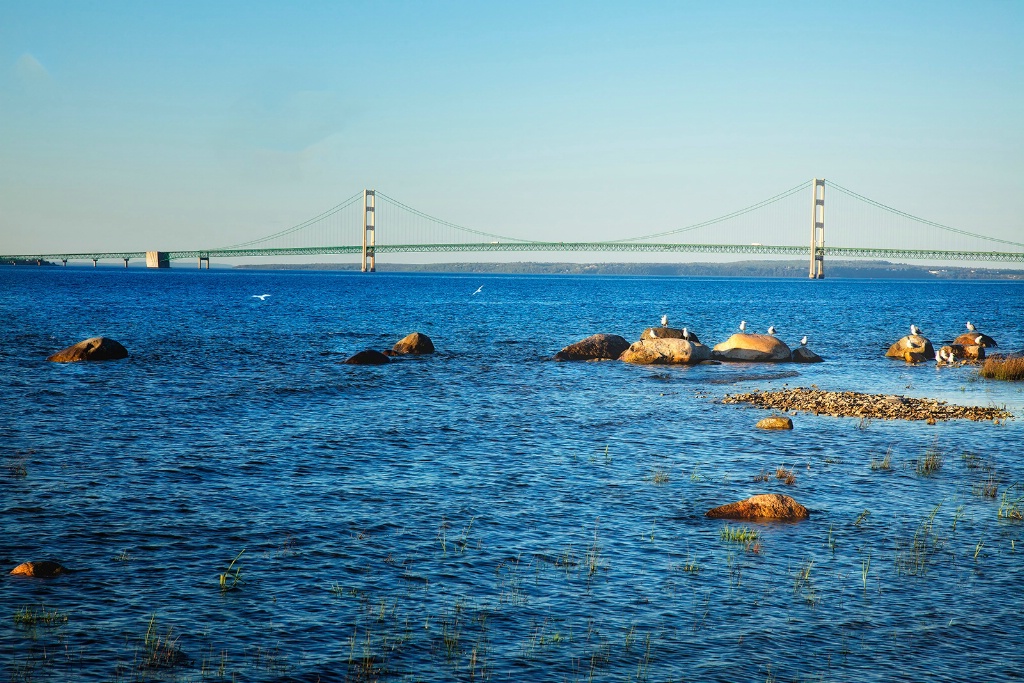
(885, 464)
(230, 581)
(762, 476)
(912, 559)
(1011, 506)
(30, 616)
(742, 534)
(785, 476)
(989, 488)
(865, 567)
(161, 651)
(1007, 368)
(861, 517)
(931, 463)
(659, 477)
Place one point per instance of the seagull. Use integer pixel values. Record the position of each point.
(771, 329)
(743, 326)
(939, 357)
(803, 342)
(977, 340)
(970, 326)
(686, 334)
(477, 290)
(664, 321)
(261, 297)
(915, 330)
(653, 335)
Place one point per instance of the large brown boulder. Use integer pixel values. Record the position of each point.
(775, 422)
(767, 506)
(417, 343)
(802, 354)
(665, 352)
(368, 357)
(916, 345)
(94, 348)
(668, 333)
(757, 348)
(975, 339)
(594, 347)
(40, 570)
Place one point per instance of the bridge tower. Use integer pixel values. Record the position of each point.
(818, 230)
(369, 229)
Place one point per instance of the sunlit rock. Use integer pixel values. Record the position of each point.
(665, 352)
(415, 343)
(94, 348)
(767, 506)
(39, 570)
(917, 345)
(757, 348)
(775, 422)
(594, 347)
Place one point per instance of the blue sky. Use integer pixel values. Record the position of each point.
(127, 125)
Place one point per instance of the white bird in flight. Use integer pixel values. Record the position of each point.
(771, 329)
(970, 326)
(477, 290)
(743, 326)
(664, 321)
(261, 297)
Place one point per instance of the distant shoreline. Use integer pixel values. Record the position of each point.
(772, 269)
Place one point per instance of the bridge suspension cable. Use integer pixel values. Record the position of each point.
(447, 224)
(903, 214)
(304, 224)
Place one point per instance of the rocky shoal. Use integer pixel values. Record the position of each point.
(854, 404)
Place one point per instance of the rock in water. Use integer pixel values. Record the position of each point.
(39, 570)
(971, 339)
(594, 347)
(368, 357)
(95, 348)
(667, 333)
(767, 506)
(802, 354)
(916, 344)
(775, 422)
(665, 352)
(756, 348)
(417, 343)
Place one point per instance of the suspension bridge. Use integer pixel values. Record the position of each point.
(370, 223)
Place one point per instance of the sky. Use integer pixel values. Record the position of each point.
(185, 125)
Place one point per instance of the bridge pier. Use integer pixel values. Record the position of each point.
(817, 271)
(125, 261)
(65, 262)
(157, 259)
(204, 258)
(94, 262)
(369, 230)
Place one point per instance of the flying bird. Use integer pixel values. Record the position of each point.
(664, 321)
(743, 326)
(803, 342)
(477, 290)
(261, 297)
(970, 326)
(771, 329)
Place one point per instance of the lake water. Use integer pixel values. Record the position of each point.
(485, 513)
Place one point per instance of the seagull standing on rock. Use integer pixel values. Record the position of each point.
(771, 329)
(664, 321)
(914, 330)
(686, 334)
(743, 326)
(970, 326)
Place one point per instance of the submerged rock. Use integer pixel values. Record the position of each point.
(766, 506)
(665, 352)
(94, 348)
(40, 570)
(368, 357)
(594, 347)
(775, 422)
(753, 348)
(918, 346)
(415, 343)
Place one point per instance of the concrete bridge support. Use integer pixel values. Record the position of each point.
(157, 259)
(369, 231)
(818, 230)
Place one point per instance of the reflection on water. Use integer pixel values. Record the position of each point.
(485, 513)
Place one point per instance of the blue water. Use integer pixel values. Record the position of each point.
(486, 513)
